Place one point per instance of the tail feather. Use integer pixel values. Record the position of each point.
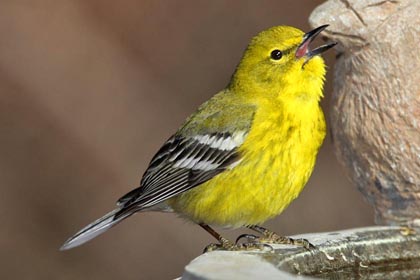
(94, 229)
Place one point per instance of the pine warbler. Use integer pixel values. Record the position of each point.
(246, 153)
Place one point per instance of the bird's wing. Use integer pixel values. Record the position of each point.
(192, 156)
(205, 146)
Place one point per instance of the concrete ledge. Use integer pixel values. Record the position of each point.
(363, 253)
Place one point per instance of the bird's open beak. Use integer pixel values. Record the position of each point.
(303, 49)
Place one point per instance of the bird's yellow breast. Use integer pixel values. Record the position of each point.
(277, 159)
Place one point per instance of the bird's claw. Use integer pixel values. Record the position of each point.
(249, 238)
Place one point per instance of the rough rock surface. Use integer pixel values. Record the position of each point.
(375, 112)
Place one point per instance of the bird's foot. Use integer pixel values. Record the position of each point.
(269, 237)
(277, 239)
(226, 245)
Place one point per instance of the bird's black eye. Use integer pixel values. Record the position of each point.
(276, 54)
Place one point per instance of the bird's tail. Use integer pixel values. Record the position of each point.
(94, 229)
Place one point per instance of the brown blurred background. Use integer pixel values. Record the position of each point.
(89, 91)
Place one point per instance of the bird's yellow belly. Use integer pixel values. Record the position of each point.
(260, 187)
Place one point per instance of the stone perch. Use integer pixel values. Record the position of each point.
(365, 253)
(375, 124)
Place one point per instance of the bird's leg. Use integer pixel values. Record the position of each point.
(274, 238)
(227, 245)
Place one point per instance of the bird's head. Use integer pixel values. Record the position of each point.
(279, 60)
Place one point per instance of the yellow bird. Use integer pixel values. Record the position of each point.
(246, 153)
